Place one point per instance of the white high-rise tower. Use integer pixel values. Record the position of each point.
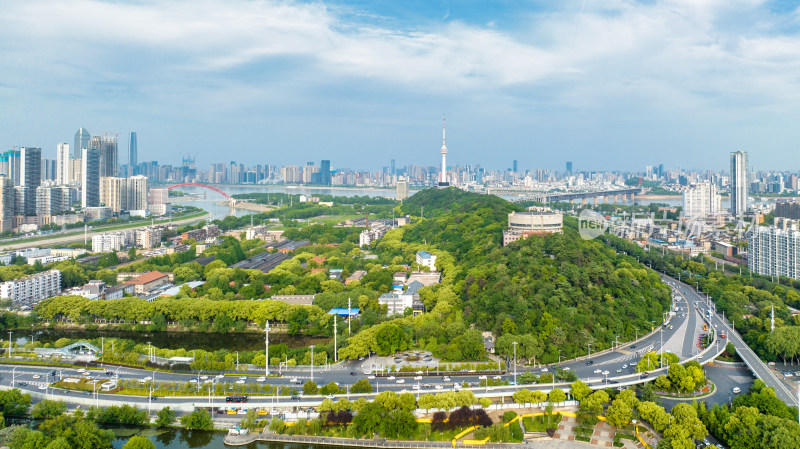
(443, 173)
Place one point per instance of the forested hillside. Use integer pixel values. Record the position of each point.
(547, 293)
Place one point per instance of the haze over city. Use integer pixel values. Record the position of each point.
(609, 85)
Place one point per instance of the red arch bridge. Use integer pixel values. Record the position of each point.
(187, 184)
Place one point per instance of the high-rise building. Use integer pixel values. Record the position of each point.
(124, 193)
(90, 177)
(401, 191)
(31, 171)
(10, 165)
(514, 166)
(62, 163)
(392, 168)
(325, 172)
(738, 183)
(108, 154)
(133, 154)
(6, 204)
(443, 171)
(701, 200)
(569, 168)
(774, 250)
(82, 138)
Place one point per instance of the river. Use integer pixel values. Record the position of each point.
(247, 341)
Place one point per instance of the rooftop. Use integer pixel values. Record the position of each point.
(150, 276)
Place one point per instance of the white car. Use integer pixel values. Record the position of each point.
(203, 377)
(401, 381)
(390, 378)
(544, 370)
(737, 390)
(261, 379)
(219, 376)
(446, 379)
(36, 376)
(624, 366)
(566, 368)
(43, 387)
(482, 377)
(240, 382)
(294, 380)
(415, 387)
(243, 378)
(417, 377)
(606, 373)
(437, 387)
(371, 377)
(148, 378)
(598, 371)
(497, 377)
(427, 385)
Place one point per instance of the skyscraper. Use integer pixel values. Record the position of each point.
(443, 172)
(108, 154)
(31, 172)
(701, 200)
(392, 170)
(9, 166)
(569, 168)
(401, 190)
(6, 204)
(738, 183)
(325, 172)
(133, 155)
(90, 177)
(62, 164)
(514, 165)
(82, 138)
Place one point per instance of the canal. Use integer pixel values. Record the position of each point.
(207, 341)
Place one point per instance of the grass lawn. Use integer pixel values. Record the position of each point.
(541, 423)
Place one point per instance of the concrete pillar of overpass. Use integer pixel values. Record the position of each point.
(605, 198)
(583, 201)
(595, 201)
(633, 198)
(616, 199)
(571, 201)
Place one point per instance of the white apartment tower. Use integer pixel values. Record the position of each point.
(738, 183)
(775, 250)
(63, 164)
(29, 290)
(701, 200)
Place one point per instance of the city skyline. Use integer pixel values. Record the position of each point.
(605, 86)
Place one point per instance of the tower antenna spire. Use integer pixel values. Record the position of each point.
(443, 128)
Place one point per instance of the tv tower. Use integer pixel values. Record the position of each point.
(443, 173)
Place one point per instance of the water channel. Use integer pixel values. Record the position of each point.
(243, 341)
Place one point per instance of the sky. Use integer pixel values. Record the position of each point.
(607, 84)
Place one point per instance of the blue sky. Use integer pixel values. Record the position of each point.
(607, 84)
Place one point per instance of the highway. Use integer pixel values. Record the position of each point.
(756, 365)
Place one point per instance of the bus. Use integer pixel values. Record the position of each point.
(236, 399)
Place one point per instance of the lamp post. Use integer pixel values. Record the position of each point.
(266, 363)
(515, 364)
(312, 363)
(9, 344)
(13, 376)
(588, 349)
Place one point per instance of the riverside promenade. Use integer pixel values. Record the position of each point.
(243, 440)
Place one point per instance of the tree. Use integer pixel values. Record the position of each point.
(580, 390)
(198, 420)
(310, 387)
(165, 417)
(48, 409)
(139, 442)
(485, 402)
(557, 396)
(14, 403)
(362, 386)
(619, 413)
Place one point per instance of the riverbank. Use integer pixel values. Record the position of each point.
(659, 197)
(243, 440)
(253, 207)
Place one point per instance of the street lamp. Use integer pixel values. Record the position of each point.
(515, 363)
(312, 363)
(588, 349)
(266, 363)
